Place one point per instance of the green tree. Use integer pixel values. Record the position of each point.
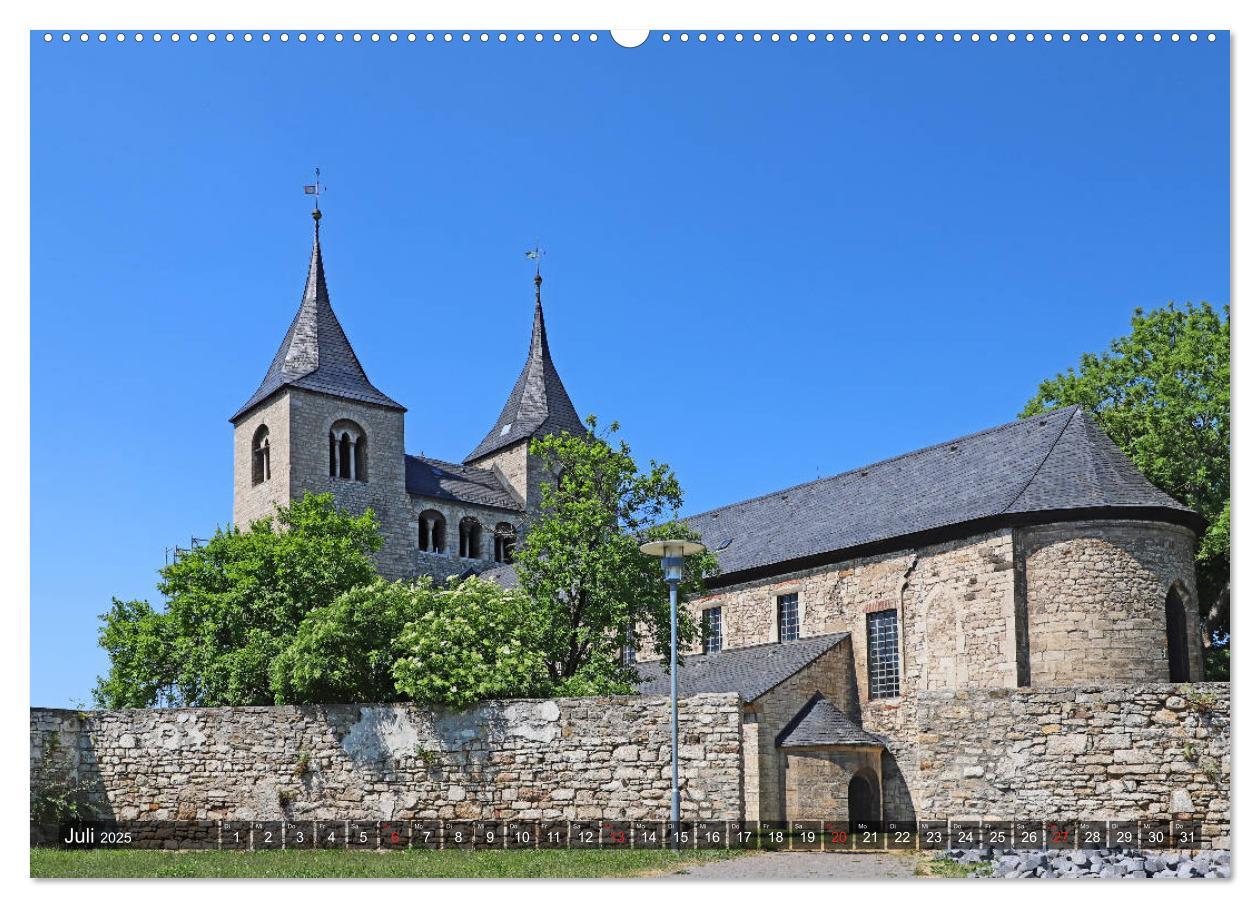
(1162, 394)
(233, 605)
(592, 589)
(345, 652)
(474, 641)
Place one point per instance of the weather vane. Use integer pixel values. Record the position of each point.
(535, 255)
(315, 189)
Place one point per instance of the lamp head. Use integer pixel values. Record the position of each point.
(672, 552)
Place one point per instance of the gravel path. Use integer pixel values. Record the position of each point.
(788, 865)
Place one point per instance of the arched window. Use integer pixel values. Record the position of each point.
(432, 532)
(343, 455)
(470, 538)
(347, 451)
(261, 455)
(504, 542)
(1178, 650)
(360, 458)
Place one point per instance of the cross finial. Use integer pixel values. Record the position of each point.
(315, 189)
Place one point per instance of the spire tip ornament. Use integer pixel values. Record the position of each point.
(315, 189)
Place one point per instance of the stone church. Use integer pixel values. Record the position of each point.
(317, 424)
(1029, 555)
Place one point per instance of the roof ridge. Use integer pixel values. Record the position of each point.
(885, 461)
(795, 722)
(1050, 450)
(462, 467)
(744, 649)
(818, 655)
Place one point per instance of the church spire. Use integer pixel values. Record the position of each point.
(316, 354)
(538, 404)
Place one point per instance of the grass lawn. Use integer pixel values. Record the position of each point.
(54, 863)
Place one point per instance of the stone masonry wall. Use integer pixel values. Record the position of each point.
(448, 563)
(1124, 752)
(955, 604)
(581, 758)
(1096, 596)
(385, 491)
(523, 473)
(251, 502)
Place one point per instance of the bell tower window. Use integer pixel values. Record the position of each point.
(260, 456)
(347, 451)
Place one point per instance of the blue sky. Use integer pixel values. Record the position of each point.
(840, 251)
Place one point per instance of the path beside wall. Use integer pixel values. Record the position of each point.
(582, 758)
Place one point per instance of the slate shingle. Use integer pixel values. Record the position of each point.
(432, 478)
(821, 722)
(316, 354)
(538, 404)
(502, 574)
(1057, 461)
(749, 671)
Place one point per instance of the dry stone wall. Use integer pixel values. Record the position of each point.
(587, 758)
(1101, 752)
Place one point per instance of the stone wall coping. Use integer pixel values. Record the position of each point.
(709, 697)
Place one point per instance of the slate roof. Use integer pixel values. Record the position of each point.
(431, 478)
(316, 354)
(1057, 461)
(502, 574)
(538, 404)
(821, 722)
(750, 671)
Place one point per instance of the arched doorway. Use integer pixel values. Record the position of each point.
(1178, 650)
(863, 797)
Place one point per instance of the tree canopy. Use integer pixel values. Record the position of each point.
(591, 587)
(1162, 394)
(293, 610)
(233, 605)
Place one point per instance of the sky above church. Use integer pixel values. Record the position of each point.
(769, 262)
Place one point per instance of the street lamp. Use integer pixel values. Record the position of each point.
(672, 552)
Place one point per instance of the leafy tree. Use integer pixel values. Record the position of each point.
(141, 655)
(1162, 394)
(344, 652)
(580, 563)
(474, 641)
(233, 606)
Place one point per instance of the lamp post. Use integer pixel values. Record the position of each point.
(672, 552)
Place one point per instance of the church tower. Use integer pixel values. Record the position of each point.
(317, 424)
(538, 406)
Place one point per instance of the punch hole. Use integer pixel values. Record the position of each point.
(629, 37)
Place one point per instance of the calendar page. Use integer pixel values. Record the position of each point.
(555, 450)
